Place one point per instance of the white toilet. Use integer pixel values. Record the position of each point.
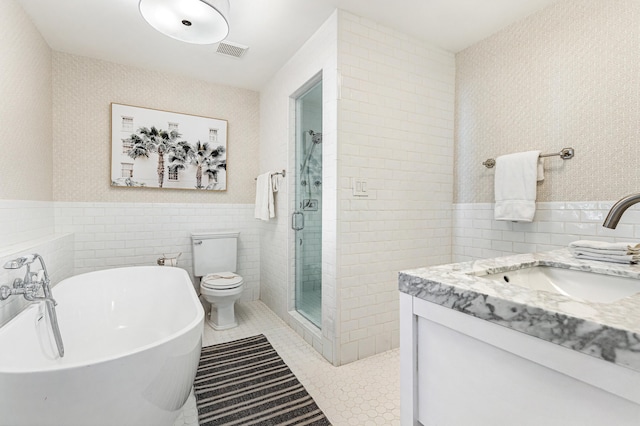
(215, 257)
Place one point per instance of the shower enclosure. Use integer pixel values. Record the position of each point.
(307, 216)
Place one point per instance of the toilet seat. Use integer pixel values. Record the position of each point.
(221, 281)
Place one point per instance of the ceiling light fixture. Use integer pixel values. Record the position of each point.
(191, 21)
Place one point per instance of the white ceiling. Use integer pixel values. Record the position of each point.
(113, 30)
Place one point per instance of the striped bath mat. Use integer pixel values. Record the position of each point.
(245, 382)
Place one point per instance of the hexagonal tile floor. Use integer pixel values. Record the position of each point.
(363, 393)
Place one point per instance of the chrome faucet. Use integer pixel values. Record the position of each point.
(619, 208)
(30, 286)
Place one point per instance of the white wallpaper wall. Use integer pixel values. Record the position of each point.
(565, 76)
(26, 210)
(25, 111)
(395, 129)
(83, 89)
(134, 226)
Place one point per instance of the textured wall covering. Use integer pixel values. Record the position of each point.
(566, 76)
(83, 89)
(25, 108)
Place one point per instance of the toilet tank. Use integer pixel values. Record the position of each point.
(214, 252)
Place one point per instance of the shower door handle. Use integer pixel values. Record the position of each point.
(297, 221)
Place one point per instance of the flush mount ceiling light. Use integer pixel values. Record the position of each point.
(191, 21)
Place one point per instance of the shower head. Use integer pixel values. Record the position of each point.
(19, 262)
(316, 137)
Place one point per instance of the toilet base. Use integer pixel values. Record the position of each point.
(222, 302)
(222, 318)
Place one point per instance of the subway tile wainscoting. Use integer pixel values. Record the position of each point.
(24, 220)
(476, 235)
(111, 234)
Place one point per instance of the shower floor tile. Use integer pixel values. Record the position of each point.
(363, 393)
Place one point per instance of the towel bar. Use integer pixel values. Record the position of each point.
(565, 154)
(283, 173)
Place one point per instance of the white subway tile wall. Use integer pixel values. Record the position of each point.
(396, 112)
(24, 220)
(477, 236)
(277, 136)
(57, 252)
(111, 235)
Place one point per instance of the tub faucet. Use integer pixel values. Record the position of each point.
(29, 287)
(619, 208)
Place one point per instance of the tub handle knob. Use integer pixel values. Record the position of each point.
(5, 292)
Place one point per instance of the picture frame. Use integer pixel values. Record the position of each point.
(153, 148)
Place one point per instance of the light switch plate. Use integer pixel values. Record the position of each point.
(361, 189)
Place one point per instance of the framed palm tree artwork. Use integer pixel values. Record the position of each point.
(161, 149)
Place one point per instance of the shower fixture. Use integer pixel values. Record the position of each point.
(191, 21)
(316, 139)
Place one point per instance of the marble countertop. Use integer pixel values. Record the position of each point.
(610, 331)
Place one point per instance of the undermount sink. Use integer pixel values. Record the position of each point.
(575, 284)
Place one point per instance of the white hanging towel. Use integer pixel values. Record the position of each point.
(275, 181)
(515, 186)
(266, 184)
(264, 209)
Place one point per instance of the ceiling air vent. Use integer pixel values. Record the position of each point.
(231, 49)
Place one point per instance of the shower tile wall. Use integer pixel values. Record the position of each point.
(395, 108)
(127, 234)
(477, 236)
(396, 130)
(277, 130)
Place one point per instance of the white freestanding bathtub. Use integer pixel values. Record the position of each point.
(132, 339)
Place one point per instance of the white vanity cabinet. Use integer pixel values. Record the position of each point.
(459, 369)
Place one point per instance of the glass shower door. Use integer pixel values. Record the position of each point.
(307, 218)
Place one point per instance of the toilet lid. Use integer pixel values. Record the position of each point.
(221, 280)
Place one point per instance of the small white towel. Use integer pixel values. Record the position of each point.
(515, 186)
(616, 258)
(605, 252)
(604, 247)
(264, 209)
(275, 182)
